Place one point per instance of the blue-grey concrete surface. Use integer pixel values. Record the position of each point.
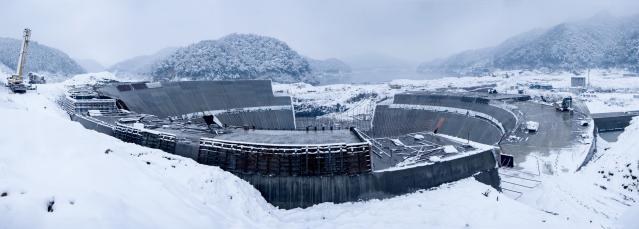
(304, 191)
(399, 121)
(180, 98)
(613, 121)
(291, 137)
(468, 102)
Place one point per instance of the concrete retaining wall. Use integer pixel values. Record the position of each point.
(286, 160)
(262, 119)
(398, 121)
(612, 123)
(170, 99)
(304, 191)
(93, 124)
(507, 119)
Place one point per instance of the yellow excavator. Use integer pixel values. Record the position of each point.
(16, 82)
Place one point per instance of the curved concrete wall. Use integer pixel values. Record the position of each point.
(262, 119)
(290, 176)
(399, 121)
(612, 123)
(507, 119)
(304, 191)
(286, 160)
(93, 124)
(169, 99)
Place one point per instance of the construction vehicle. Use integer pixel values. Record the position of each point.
(16, 82)
(532, 126)
(36, 79)
(564, 105)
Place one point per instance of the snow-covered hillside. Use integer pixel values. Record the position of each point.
(56, 174)
(603, 41)
(40, 58)
(235, 56)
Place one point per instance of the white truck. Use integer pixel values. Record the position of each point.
(532, 126)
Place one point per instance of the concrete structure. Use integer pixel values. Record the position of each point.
(263, 153)
(613, 121)
(466, 115)
(578, 81)
(299, 168)
(238, 103)
(400, 120)
(303, 191)
(82, 102)
(494, 119)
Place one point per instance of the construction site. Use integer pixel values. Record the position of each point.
(416, 140)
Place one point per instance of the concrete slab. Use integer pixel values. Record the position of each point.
(557, 130)
(290, 137)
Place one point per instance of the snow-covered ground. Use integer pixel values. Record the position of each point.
(612, 102)
(609, 90)
(48, 160)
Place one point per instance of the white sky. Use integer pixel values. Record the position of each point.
(113, 30)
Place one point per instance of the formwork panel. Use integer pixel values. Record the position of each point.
(286, 160)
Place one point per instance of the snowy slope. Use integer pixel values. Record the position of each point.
(616, 169)
(47, 160)
(6, 70)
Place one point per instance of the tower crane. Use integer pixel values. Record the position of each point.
(16, 82)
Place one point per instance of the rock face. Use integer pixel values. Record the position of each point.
(602, 41)
(235, 56)
(40, 58)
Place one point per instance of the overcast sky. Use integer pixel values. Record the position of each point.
(113, 30)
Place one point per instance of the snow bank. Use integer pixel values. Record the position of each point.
(612, 102)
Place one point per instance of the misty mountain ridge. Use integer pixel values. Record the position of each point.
(40, 58)
(375, 60)
(142, 65)
(328, 66)
(602, 41)
(90, 65)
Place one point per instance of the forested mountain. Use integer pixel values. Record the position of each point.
(235, 56)
(602, 41)
(40, 58)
